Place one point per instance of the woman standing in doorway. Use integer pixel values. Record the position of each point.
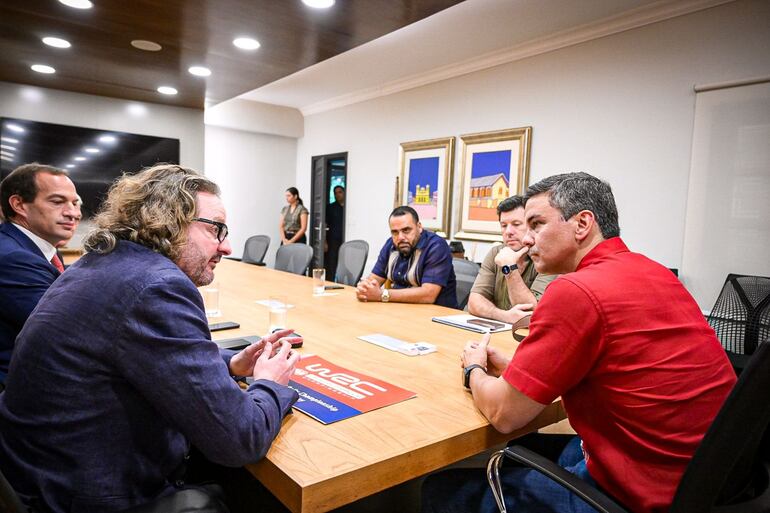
(293, 219)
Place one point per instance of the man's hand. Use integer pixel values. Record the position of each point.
(476, 352)
(368, 290)
(497, 362)
(242, 364)
(278, 367)
(516, 312)
(507, 256)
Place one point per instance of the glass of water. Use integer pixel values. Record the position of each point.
(278, 313)
(319, 278)
(210, 295)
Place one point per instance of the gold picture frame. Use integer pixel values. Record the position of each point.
(494, 166)
(426, 181)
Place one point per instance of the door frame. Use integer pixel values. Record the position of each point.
(317, 233)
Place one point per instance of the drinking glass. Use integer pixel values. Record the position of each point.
(319, 278)
(210, 295)
(277, 312)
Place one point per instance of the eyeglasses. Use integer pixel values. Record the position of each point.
(221, 227)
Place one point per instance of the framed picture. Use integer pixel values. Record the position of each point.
(495, 165)
(426, 181)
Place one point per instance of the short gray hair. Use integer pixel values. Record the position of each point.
(572, 192)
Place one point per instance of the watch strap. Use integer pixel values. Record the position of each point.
(467, 373)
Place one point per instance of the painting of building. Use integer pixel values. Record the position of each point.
(489, 184)
(422, 195)
(423, 185)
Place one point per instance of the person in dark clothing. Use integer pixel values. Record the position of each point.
(335, 225)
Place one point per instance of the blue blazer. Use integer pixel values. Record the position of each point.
(25, 275)
(113, 377)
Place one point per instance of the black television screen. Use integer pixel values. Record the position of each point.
(93, 158)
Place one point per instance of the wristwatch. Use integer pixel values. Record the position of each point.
(385, 297)
(467, 374)
(507, 269)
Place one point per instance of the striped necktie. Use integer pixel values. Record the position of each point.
(57, 263)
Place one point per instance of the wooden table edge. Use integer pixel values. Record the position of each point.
(328, 494)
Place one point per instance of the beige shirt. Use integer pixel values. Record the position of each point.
(490, 282)
(291, 220)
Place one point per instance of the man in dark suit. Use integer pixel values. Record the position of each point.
(41, 211)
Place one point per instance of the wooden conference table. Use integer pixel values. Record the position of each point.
(313, 467)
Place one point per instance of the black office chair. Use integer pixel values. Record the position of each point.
(294, 258)
(465, 273)
(741, 316)
(190, 500)
(351, 260)
(729, 472)
(9, 501)
(255, 249)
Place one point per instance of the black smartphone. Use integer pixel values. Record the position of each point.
(333, 287)
(227, 325)
(237, 343)
(296, 343)
(486, 324)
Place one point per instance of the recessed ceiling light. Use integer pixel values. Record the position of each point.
(107, 139)
(15, 128)
(78, 4)
(8, 159)
(167, 90)
(7, 154)
(9, 139)
(6, 147)
(199, 71)
(70, 166)
(318, 4)
(92, 150)
(246, 43)
(79, 159)
(56, 42)
(42, 68)
(147, 46)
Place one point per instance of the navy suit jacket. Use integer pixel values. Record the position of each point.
(25, 275)
(114, 376)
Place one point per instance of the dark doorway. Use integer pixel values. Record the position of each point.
(327, 215)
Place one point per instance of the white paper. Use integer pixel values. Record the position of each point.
(401, 346)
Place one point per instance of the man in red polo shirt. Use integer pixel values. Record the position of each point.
(617, 336)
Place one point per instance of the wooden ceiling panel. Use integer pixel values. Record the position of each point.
(192, 32)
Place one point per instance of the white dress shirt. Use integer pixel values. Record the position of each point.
(46, 247)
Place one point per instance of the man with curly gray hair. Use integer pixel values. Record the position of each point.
(132, 378)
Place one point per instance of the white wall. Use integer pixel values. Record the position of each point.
(620, 107)
(65, 108)
(253, 171)
(251, 116)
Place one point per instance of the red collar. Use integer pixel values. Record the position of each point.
(605, 248)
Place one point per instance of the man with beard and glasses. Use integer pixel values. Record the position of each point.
(416, 263)
(115, 377)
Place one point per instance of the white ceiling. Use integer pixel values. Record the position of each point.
(472, 35)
